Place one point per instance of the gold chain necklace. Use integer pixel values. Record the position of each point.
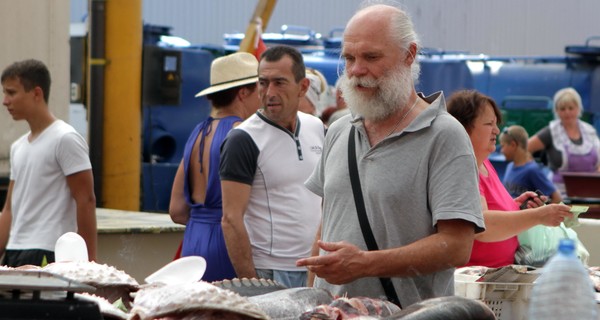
(403, 117)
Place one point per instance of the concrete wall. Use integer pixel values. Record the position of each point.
(138, 254)
(40, 30)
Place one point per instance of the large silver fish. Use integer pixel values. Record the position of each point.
(110, 283)
(290, 303)
(195, 300)
(446, 308)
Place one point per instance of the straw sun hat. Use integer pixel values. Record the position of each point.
(230, 71)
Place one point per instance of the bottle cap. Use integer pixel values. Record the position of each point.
(566, 246)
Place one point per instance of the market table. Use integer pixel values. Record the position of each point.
(138, 243)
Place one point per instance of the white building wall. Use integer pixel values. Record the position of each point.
(40, 30)
(508, 27)
(207, 21)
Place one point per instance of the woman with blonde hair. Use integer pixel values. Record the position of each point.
(570, 144)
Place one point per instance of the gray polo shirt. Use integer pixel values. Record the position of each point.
(410, 181)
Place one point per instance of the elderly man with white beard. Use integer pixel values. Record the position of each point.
(414, 174)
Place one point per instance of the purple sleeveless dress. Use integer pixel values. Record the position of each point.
(203, 234)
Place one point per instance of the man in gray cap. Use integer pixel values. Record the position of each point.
(196, 193)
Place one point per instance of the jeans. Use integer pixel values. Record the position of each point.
(290, 279)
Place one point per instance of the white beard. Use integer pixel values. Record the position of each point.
(393, 93)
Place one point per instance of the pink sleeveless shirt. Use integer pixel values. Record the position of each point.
(500, 253)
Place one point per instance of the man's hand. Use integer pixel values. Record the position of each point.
(343, 262)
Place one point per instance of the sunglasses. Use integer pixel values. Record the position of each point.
(507, 133)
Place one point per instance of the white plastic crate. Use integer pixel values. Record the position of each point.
(508, 301)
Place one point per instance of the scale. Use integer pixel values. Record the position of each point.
(35, 294)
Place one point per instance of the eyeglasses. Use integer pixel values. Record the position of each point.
(506, 132)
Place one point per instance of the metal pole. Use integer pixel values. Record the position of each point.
(97, 64)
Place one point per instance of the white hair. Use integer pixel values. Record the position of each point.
(401, 30)
(567, 95)
(393, 94)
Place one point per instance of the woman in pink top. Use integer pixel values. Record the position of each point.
(496, 247)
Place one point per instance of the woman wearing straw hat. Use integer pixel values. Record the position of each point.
(196, 193)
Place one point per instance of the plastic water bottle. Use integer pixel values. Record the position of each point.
(564, 290)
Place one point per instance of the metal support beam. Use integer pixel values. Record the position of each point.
(122, 109)
(263, 10)
(96, 91)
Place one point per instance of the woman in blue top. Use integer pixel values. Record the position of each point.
(196, 193)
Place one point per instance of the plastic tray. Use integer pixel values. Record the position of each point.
(508, 301)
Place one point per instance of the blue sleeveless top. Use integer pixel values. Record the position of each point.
(203, 233)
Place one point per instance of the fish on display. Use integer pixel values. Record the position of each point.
(291, 303)
(595, 277)
(110, 283)
(250, 287)
(348, 308)
(194, 300)
(445, 308)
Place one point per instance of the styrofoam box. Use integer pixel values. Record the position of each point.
(508, 301)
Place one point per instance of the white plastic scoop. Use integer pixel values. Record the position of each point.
(70, 247)
(183, 270)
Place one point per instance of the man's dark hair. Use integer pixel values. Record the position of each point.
(32, 73)
(224, 98)
(276, 53)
